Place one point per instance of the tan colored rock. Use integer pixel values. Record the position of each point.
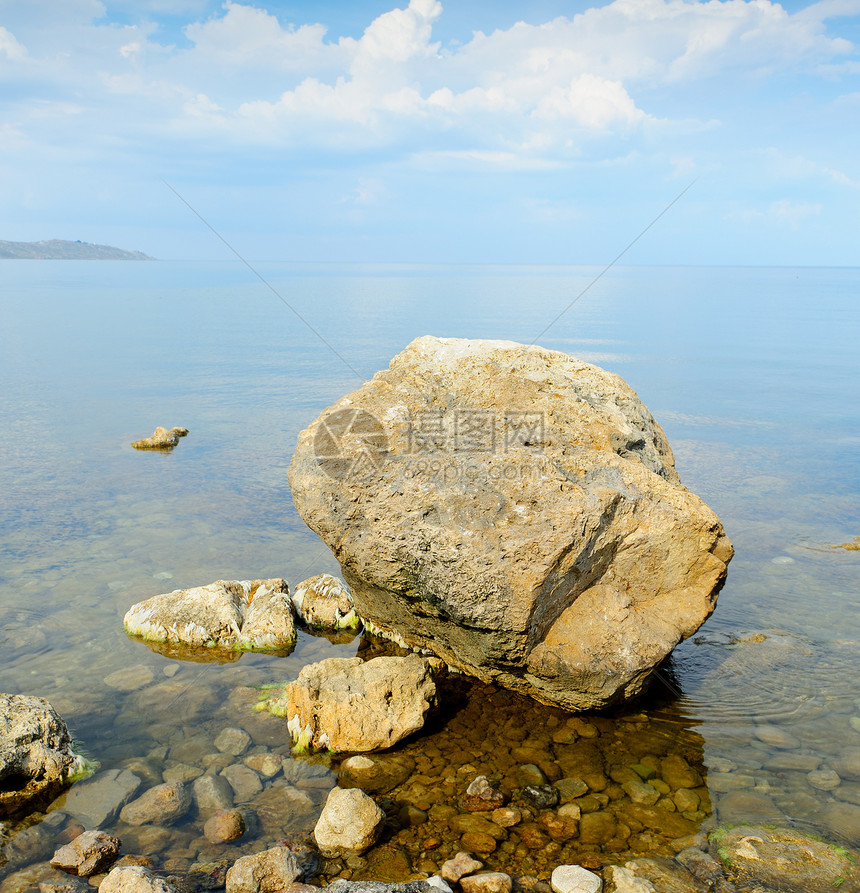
(162, 439)
(36, 756)
(324, 601)
(350, 823)
(252, 615)
(517, 512)
(161, 805)
(781, 858)
(271, 871)
(348, 704)
(135, 879)
(88, 854)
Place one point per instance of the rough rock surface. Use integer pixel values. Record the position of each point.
(575, 879)
(349, 824)
(517, 512)
(324, 601)
(135, 879)
(781, 858)
(341, 885)
(36, 758)
(244, 615)
(271, 871)
(88, 854)
(162, 439)
(348, 704)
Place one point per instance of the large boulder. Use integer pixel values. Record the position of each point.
(36, 755)
(245, 615)
(348, 704)
(517, 512)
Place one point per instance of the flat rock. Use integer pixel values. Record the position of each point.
(249, 615)
(98, 801)
(130, 678)
(350, 823)
(342, 885)
(515, 511)
(487, 882)
(348, 704)
(781, 858)
(575, 879)
(162, 805)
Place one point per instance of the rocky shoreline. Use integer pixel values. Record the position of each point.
(531, 790)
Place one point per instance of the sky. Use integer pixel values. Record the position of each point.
(460, 131)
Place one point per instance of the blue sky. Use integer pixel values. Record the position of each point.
(453, 131)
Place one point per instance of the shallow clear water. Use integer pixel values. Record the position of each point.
(753, 374)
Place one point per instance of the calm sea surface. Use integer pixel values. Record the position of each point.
(753, 373)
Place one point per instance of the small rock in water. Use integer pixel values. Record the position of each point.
(458, 867)
(824, 779)
(507, 816)
(245, 782)
(274, 869)
(324, 601)
(350, 823)
(624, 881)
(481, 796)
(130, 678)
(777, 737)
(640, 792)
(88, 854)
(162, 805)
(488, 882)
(162, 439)
(575, 879)
(135, 879)
(98, 801)
(233, 741)
(224, 826)
(543, 796)
(212, 792)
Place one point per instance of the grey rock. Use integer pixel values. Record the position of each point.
(344, 886)
(543, 796)
(212, 792)
(513, 510)
(233, 741)
(98, 801)
(245, 782)
(130, 678)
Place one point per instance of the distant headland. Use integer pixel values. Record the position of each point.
(60, 249)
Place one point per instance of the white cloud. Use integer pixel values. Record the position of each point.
(10, 47)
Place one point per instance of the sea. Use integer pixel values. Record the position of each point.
(753, 373)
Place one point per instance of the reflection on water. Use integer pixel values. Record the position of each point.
(757, 717)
